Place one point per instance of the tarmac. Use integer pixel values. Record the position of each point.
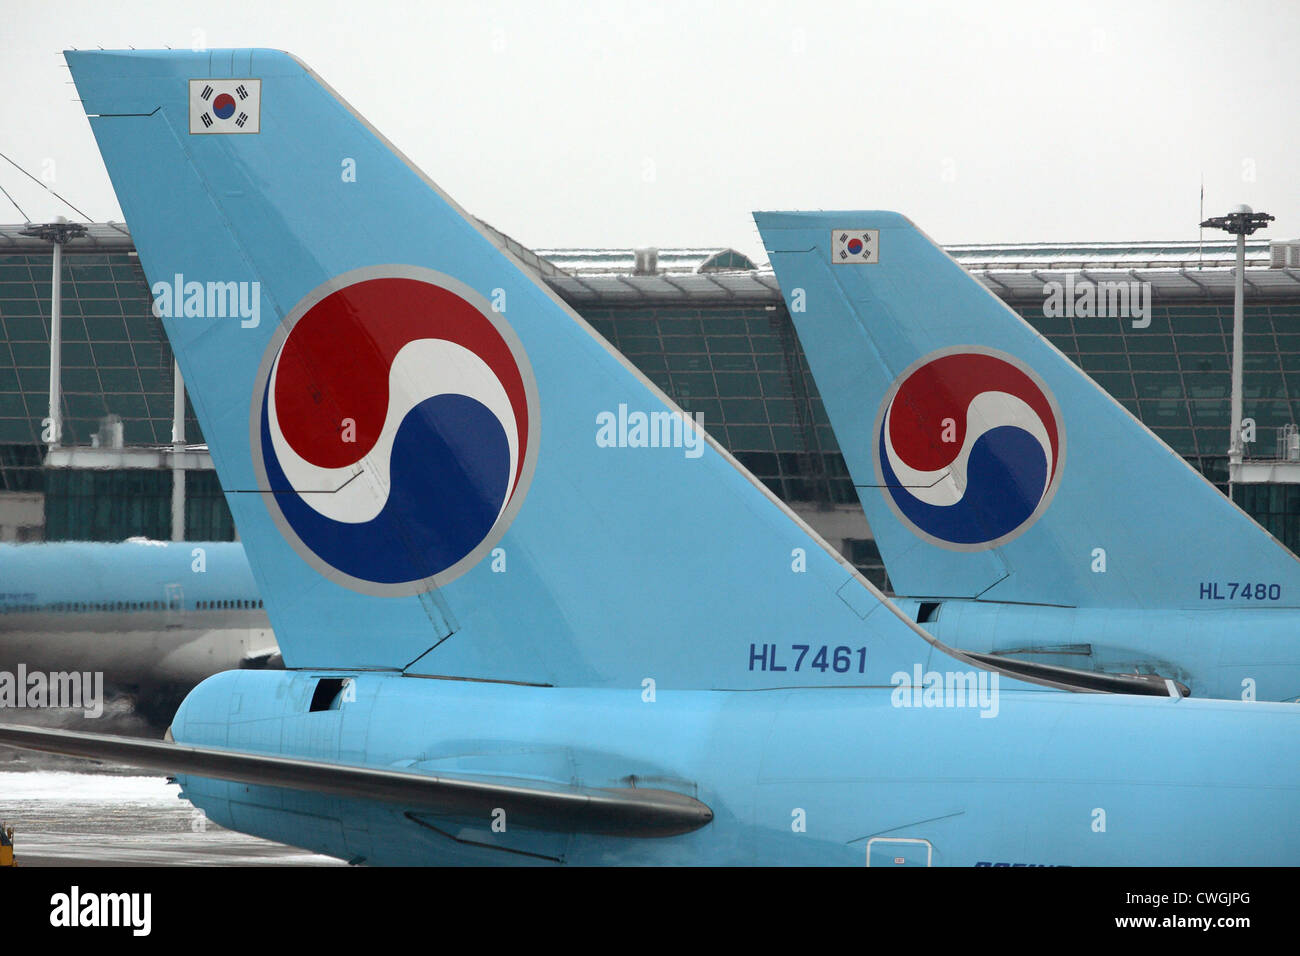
(80, 813)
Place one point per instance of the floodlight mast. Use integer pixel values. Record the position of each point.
(1241, 222)
(57, 232)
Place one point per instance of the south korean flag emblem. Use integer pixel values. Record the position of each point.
(225, 106)
(855, 246)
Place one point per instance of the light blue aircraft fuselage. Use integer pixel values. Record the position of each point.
(809, 776)
(144, 613)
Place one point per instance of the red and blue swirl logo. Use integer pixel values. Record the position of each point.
(394, 424)
(969, 448)
(223, 106)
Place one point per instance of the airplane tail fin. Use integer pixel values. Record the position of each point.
(434, 464)
(989, 466)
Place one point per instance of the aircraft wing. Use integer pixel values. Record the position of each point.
(627, 811)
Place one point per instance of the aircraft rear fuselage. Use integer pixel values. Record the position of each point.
(798, 776)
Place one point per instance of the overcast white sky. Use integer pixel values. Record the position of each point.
(653, 123)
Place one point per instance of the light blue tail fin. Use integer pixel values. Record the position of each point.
(989, 466)
(433, 463)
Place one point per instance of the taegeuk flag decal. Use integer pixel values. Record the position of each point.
(225, 106)
(850, 246)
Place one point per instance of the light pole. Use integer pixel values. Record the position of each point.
(1240, 222)
(57, 232)
(178, 449)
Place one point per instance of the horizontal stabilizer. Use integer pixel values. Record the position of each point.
(627, 812)
(1144, 685)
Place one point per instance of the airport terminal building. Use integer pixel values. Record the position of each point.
(709, 327)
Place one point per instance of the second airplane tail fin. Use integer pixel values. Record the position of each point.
(988, 464)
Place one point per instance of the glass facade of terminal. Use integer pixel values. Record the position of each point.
(116, 359)
(741, 367)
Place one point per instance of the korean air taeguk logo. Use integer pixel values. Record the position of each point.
(395, 424)
(969, 447)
